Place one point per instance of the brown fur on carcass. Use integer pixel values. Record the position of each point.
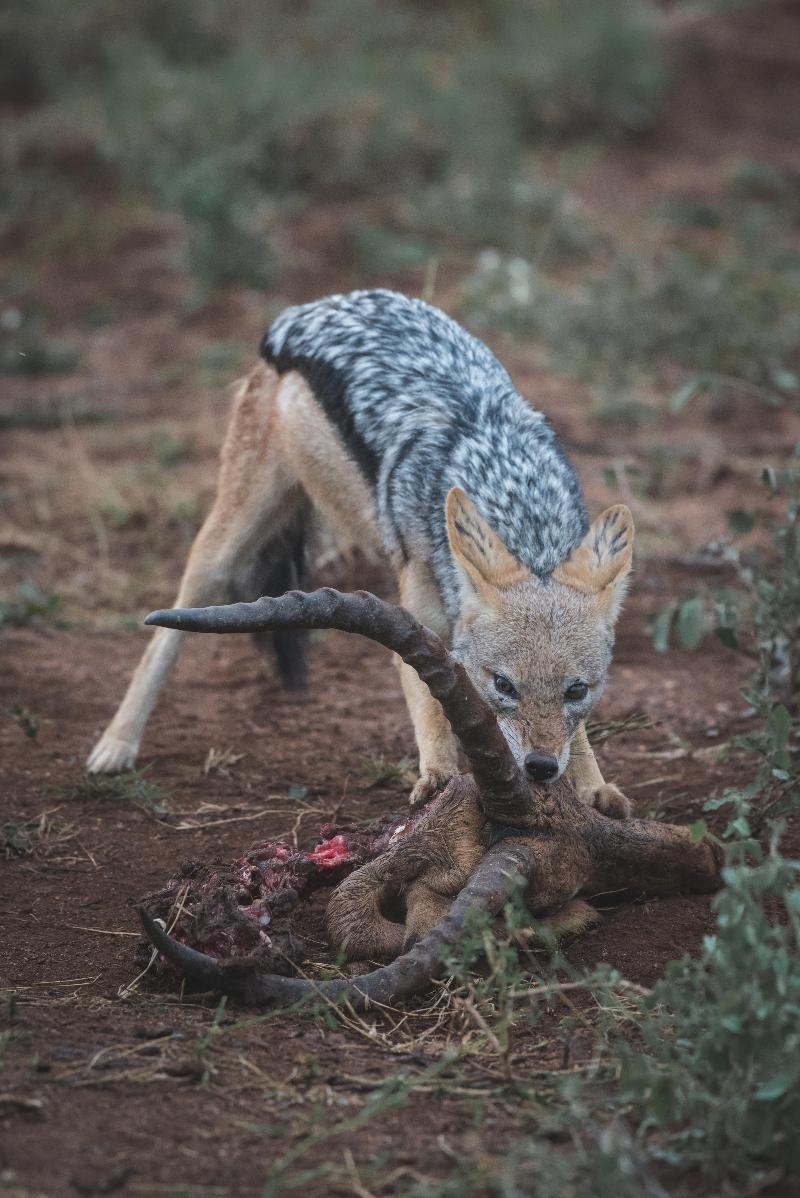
(399, 897)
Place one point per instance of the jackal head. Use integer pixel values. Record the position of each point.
(538, 649)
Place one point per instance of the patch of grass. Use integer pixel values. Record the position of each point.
(131, 787)
(29, 605)
(728, 320)
(26, 348)
(376, 249)
(573, 1156)
(17, 838)
(754, 180)
(169, 450)
(113, 510)
(380, 771)
(55, 414)
(760, 615)
(219, 361)
(23, 838)
(27, 720)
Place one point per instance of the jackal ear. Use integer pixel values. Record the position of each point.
(485, 563)
(601, 564)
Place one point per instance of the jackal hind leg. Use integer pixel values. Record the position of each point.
(584, 773)
(255, 497)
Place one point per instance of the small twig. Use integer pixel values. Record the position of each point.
(233, 819)
(467, 1005)
(127, 989)
(600, 730)
(339, 804)
(88, 854)
(67, 982)
(653, 781)
(355, 1178)
(78, 927)
(587, 984)
(296, 826)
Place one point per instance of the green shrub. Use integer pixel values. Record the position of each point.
(723, 319)
(720, 1077)
(578, 1159)
(28, 605)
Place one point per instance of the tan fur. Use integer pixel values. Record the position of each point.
(310, 445)
(584, 773)
(397, 898)
(279, 445)
(438, 751)
(478, 550)
(255, 494)
(601, 564)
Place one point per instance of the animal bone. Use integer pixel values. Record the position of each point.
(414, 897)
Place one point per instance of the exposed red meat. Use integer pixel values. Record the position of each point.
(242, 909)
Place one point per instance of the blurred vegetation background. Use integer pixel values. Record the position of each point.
(237, 114)
(409, 137)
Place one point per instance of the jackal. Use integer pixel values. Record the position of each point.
(408, 437)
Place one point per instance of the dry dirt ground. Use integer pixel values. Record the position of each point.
(108, 1090)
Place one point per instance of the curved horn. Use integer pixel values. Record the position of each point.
(487, 890)
(505, 796)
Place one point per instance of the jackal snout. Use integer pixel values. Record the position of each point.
(541, 768)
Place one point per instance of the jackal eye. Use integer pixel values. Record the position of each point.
(505, 687)
(575, 692)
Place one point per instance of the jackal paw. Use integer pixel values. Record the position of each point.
(609, 799)
(111, 756)
(430, 783)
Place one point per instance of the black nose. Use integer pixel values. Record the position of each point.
(540, 768)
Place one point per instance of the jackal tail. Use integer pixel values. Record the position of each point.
(281, 564)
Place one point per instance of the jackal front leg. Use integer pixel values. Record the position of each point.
(584, 773)
(438, 750)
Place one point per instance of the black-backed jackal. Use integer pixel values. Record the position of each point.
(408, 437)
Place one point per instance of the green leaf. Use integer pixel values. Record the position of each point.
(779, 1084)
(661, 1100)
(742, 519)
(727, 636)
(698, 830)
(660, 625)
(679, 399)
(690, 626)
(787, 380)
(779, 725)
